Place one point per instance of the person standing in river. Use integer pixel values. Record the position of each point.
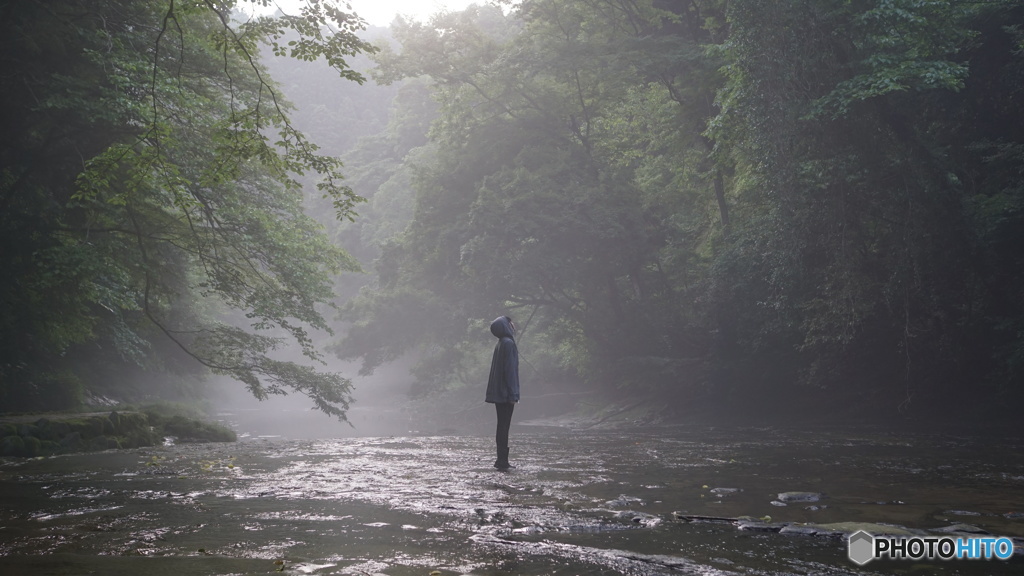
(503, 383)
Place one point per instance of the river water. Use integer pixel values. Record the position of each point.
(578, 503)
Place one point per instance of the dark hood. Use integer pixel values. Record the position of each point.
(501, 328)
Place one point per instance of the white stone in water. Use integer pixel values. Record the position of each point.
(799, 496)
(724, 491)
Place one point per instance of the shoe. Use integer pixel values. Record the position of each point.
(502, 462)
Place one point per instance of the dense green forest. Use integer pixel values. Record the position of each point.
(152, 220)
(708, 203)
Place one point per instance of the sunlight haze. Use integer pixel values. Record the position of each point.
(383, 12)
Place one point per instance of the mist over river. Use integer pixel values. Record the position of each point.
(579, 502)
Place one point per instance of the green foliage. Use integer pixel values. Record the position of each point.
(900, 46)
(726, 199)
(524, 203)
(151, 186)
(189, 430)
(707, 199)
(126, 429)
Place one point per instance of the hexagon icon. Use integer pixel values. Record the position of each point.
(861, 549)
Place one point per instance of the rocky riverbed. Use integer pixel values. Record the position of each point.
(646, 502)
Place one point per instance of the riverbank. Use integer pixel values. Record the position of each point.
(31, 435)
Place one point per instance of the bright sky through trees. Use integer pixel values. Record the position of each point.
(382, 12)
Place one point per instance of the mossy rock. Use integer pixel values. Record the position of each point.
(178, 425)
(61, 429)
(103, 443)
(12, 445)
(52, 435)
(129, 422)
(33, 446)
(138, 438)
(189, 430)
(88, 427)
(47, 430)
(72, 441)
(50, 447)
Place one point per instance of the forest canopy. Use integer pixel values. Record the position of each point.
(152, 219)
(739, 201)
(703, 201)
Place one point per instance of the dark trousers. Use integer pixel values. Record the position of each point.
(504, 422)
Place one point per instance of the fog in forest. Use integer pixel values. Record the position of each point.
(694, 215)
(537, 287)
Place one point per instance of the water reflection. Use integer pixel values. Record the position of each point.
(578, 503)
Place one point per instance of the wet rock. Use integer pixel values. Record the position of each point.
(647, 520)
(759, 526)
(777, 503)
(799, 496)
(963, 513)
(590, 528)
(800, 529)
(490, 516)
(700, 518)
(624, 500)
(724, 491)
(1014, 515)
(871, 528)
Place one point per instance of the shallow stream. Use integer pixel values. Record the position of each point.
(578, 503)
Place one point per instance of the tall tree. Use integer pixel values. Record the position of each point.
(748, 198)
(845, 188)
(528, 205)
(149, 189)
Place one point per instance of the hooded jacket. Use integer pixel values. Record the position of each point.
(503, 383)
